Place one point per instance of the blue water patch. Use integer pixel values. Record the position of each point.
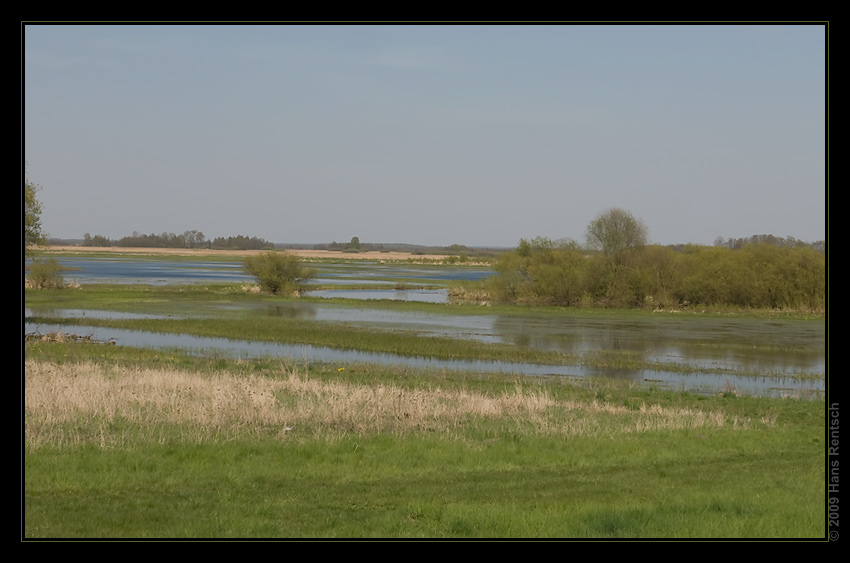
(131, 270)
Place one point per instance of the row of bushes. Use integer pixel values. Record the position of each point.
(758, 275)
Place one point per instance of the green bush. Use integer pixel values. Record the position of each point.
(44, 274)
(278, 272)
(541, 271)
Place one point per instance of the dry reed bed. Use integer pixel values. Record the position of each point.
(91, 403)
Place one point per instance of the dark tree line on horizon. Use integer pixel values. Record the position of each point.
(791, 242)
(189, 239)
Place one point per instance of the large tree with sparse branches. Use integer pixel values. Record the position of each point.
(616, 233)
(619, 236)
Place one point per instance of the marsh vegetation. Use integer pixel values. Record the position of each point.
(261, 446)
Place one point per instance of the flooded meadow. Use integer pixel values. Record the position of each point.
(690, 352)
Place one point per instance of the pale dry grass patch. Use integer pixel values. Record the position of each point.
(89, 402)
(656, 417)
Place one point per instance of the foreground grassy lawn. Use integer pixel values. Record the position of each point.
(408, 487)
(131, 444)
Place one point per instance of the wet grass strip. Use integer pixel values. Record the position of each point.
(334, 335)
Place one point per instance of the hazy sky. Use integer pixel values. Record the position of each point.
(426, 134)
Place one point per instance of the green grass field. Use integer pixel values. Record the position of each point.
(132, 444)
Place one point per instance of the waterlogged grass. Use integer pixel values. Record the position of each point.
(335, 335)
(139, 298)
(136, 444)
(401, 343)
(133, 443)
(226, 311)
(177, 303)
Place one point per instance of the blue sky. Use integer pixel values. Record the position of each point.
(426, 134)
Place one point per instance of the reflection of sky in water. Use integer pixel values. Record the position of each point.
(155, 272)
(130, 270)
(690, 343)
(420, 295)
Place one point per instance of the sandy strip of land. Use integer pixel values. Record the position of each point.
(330, 254)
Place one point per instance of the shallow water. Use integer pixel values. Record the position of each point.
(421, 295)
(758, 345)
(669, 343)
(132, 270)
(227, 348)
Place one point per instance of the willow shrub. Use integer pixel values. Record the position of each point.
(541, 271)
(45, 274)
(768, 276)
(278, 272)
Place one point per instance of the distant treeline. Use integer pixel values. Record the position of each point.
(738, 243)
(764, 272)
(241, 243)
(189, 239)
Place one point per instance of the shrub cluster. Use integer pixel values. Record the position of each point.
(44, 274)
(278, 272)
(758, 275)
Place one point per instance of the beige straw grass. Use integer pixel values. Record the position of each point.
(89, 402)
